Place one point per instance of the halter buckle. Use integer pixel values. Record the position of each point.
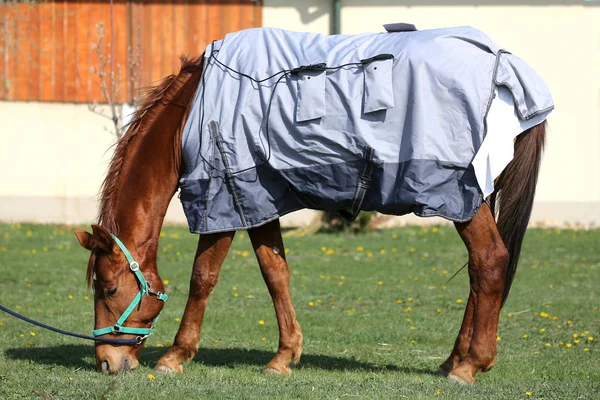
(134, 266)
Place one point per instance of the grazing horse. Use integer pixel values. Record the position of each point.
(143, 177)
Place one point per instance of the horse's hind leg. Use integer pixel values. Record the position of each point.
(268, 246)
(463, 340)
(212, 250)
(488, 259)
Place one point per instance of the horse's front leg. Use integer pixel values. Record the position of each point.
(488, 260)
(268, 246)
(212, 250)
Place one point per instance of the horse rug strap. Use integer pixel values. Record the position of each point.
(389, 122)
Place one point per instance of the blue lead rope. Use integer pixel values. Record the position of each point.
(77, 335)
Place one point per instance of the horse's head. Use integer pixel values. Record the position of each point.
(127, 298)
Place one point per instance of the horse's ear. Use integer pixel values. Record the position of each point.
(86, 240)
(102, 239)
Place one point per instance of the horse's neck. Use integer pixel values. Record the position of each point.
(151, 170)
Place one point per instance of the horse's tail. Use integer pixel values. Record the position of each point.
(515, 190)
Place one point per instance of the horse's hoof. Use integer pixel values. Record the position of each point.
(466, 380)
(163, 369)
(272, 371)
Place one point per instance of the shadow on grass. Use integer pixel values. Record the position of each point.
(70, 356)
(74, 356)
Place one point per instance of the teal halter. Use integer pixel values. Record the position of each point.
(145, 290)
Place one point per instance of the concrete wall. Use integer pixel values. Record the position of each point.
(53, 156)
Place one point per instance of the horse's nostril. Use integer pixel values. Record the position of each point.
(126, 365)
(105, 367)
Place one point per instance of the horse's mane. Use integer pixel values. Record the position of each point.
(143, 117)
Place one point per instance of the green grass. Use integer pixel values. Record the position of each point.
(360, 341)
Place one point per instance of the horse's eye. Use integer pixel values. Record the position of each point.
(110, 292)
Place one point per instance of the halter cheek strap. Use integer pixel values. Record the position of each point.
(145, 290)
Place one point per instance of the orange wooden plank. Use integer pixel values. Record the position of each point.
(167, 41)
(180, 28)
(81, 52)
(22, 50)
(70, 40)
(35, 68)
(10, 62)
(121, 64)
(215, 31)
(46, 46)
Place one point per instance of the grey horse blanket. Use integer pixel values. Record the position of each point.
(389, 122)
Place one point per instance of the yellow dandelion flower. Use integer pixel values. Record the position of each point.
(311, 304)
(70, 297)
(434, 229)
(438, 392)
(22, 335)
(408, 309)
(31, 333)
(162, 234)
(380, 282)
(569, 345)
(261, 322)
(525, 336)
(412, 328)
(167, 343)
(323, 248)
(1, 324)
(342, 277)
(548, 345)
(439, 310)
(591, 339)
(33, 251)
(369, 254)
(151, 377)
(544, 314)
(576, 341)
(340, 283)
(458, 301)
(399, 301)
(586, 349)
(217, 340)
(330, 251)
(236, 295)
(528, 393)
(245, 253)
(543, 330)
(166, 281)
(287, 251)
(554, 318)
(360, 248)
(28, 284)
(394, 236)
(575, 335)
(412, 250)
(382, 251)
(445, 272)
(177, 319)
(86, 298)
(174, 235)
(498, 338)
(263, 338)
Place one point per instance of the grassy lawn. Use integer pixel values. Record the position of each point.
(376, 320)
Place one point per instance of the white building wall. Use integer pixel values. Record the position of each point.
(53, 156)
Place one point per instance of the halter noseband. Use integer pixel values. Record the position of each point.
(145, 290)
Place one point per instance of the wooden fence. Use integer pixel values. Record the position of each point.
(57, 50)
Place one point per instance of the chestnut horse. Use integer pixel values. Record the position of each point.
(142, 179)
